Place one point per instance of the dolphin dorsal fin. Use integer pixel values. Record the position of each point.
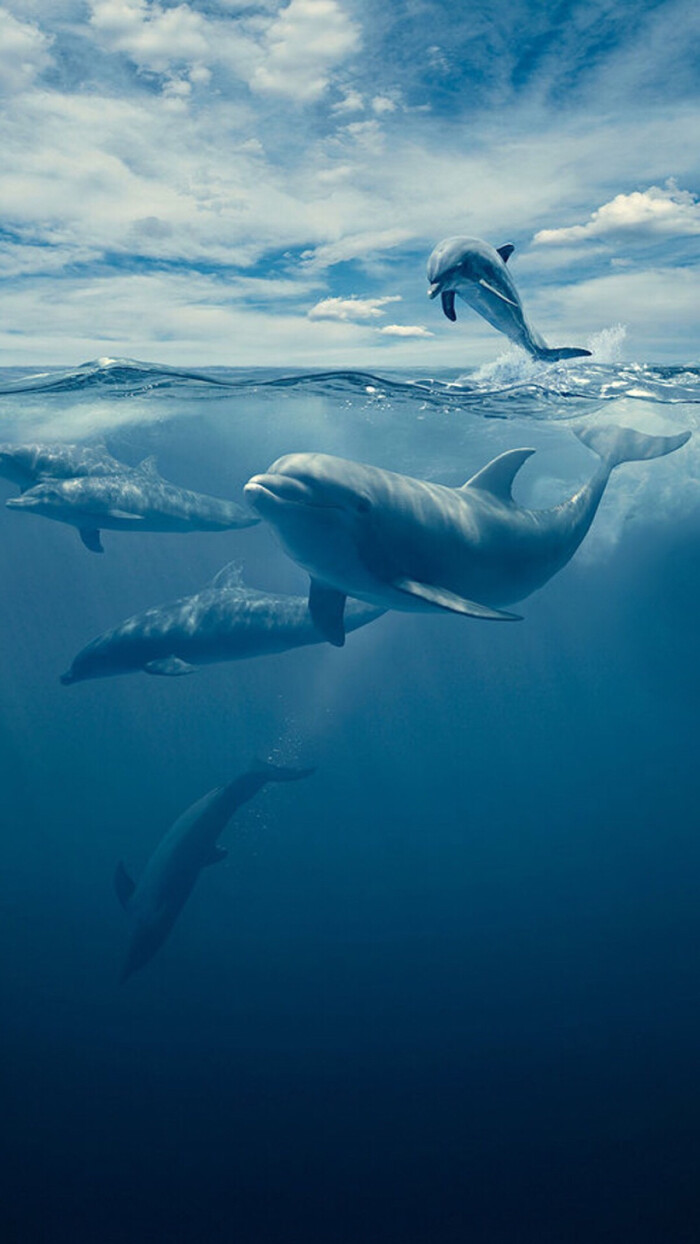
(124, 885)
(497, 476)
(505, 251)
(230, 576)
(149, 467)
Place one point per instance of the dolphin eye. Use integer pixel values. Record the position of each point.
(363, 505)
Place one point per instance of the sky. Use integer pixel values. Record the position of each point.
(227, 183)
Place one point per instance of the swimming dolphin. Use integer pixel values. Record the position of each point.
(478, 273)
(403, 543)
(26, 465)
(134, 500)
(154, 904)
(227, 621)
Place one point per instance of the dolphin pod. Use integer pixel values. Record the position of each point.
(227, 621)
(478, 273)
(166, 883)
(370, 539)
(133, 500)
(403, 543)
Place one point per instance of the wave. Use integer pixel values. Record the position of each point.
(513, 384)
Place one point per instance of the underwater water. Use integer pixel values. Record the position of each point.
(447, 988)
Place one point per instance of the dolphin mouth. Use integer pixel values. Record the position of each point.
(434, 289)
(265, 491)
(273, 488)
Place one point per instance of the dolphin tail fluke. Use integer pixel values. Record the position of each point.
(564, 352)
(278, 773)
(615, 444)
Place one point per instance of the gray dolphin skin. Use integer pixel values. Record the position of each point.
(403, 543)
(154, 904)
(478, 273)
(227, 621)
(134, 500)
(26, 465)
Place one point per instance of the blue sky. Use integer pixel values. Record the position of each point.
(261, 183)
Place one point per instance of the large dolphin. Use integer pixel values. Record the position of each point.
(478, 273)
(227, 621)
(154, 904)
(404, 543)
(134, 500)
(25, 465)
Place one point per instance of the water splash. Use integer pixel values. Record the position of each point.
(607, 346)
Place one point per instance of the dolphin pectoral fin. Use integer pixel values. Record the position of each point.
(123, 885)
(326, 606)
(447, 298)
(497, 476)
(492, 290)
(505, 251)
(217, 856)
(90, 537)
(169, 667)
(444, 599)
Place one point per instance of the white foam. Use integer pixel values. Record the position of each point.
(607, 345)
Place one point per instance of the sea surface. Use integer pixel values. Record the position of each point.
(446, 990)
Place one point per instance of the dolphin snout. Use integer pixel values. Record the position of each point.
(264, 490)
(67, 678)
(434, 289)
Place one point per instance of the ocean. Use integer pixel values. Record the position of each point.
(445, 990)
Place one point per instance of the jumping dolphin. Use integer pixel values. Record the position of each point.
(478, 273)
(154, 904)
(135, 500)
(26, 465)
(403, 543)
(227, 621)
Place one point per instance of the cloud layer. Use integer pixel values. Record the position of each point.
(280, 169)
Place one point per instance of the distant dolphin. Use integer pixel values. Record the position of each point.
(133, 500)
(403, 543)
(477, 272)
(154, 904)
(227, 621)
(26, 465)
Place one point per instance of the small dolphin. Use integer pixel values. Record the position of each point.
(227, 621)
(478, 273)
(26, 465)
(403, 543)
(154, 904)
(134, 500)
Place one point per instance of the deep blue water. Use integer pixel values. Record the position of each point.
(447, 989)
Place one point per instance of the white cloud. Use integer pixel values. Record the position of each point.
(153, 37)
(24, 53)
(405, 330)
(179, 44)
(352, 308)
(290, 54)
(352, 101)
(382, 104)
(655, 212)
(303, 44)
